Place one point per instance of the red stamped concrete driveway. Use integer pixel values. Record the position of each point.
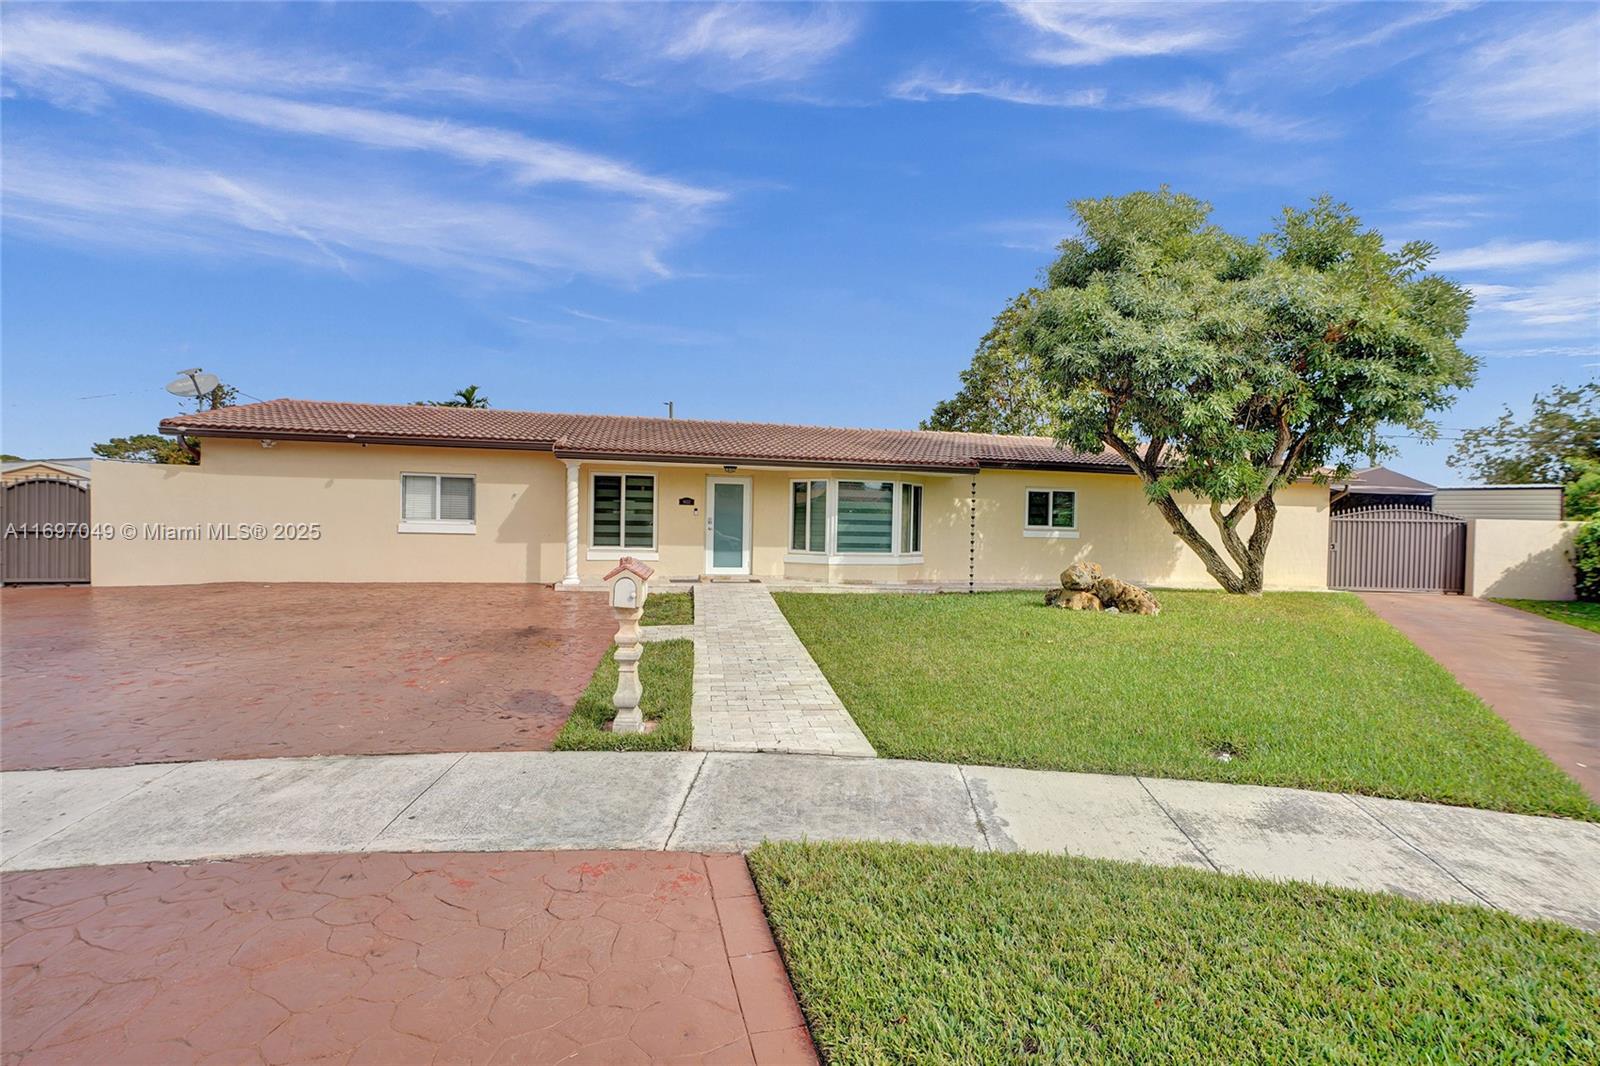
(114, 676)
(1542, 677)
(531, 957)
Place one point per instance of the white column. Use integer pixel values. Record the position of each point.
(571, 577)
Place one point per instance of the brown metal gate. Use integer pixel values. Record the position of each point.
(46, 527)
(1397, 549)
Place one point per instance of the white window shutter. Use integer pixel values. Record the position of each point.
(418, 498)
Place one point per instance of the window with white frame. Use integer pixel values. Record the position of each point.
(623, 511)
(808, 512)
(910, 518)
(1052, 509)
(869, 518)
(438, 503)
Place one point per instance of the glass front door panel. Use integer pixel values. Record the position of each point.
(727, 526)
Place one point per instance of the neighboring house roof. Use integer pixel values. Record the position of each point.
(615, 436)
(1381, 481)
(77, 468)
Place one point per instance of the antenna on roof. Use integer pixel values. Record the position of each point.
(669, 407)
(193, 383)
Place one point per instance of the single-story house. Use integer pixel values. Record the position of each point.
(316, 491)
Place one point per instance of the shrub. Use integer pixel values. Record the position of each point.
(1586, 560)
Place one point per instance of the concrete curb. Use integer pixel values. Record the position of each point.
(693, 801)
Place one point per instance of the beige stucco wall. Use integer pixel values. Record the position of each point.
(1117, 528)
(353, 493)
(1520, 558)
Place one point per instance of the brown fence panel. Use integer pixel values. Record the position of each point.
(46, 526)
(1397, 549)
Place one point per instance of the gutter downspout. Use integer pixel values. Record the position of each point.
(188, 446)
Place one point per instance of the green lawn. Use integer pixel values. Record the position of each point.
(1303, 689)
(1572, 612)
(911, 954)
(667, 675)
(668, 609)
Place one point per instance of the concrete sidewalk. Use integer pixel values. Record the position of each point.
(692, 801)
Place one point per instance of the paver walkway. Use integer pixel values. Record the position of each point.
(756, 687)
(691, 801)
(1541, 676)
(383, 960)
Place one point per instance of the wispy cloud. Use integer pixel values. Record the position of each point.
(1076, 34)
(1544, 77)
(555, 210)
(1502, 254)
(332, 219)
(1566, 300)
(49, 52)
(1196, 102)
(924, 86)
(762, 43)
(721, 47)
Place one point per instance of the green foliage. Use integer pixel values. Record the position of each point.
(9, 458)
(915, 954)
(1564, 426)
(1005, 390)
(666, 674)
(1586, 561)
(1583, 489)
(1309, 689)
(467, 397)
(145, 448)
(1573, 613)
(1241, 365)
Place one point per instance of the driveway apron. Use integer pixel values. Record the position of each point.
(1542, 677)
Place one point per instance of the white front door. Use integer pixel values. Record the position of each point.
(727, 525)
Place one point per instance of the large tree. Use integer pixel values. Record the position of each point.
(1228, 368)
(1005, 389)
(1562, 427)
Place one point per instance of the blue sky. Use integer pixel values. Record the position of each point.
(763, 212)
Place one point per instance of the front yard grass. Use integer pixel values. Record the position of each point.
(905, 953)
(668, 609)
(667, 675)
(1572, 612)
(1310, 690)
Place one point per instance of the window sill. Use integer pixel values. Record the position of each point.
(1052, 534)
(438, 527)
(602, 554)
(865, 559)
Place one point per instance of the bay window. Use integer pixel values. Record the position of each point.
(910, 519)
(870, 520)
(809, 512)
(866, 517)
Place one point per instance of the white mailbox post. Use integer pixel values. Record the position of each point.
(630, 584)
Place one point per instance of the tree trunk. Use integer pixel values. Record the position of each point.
(1215, 564)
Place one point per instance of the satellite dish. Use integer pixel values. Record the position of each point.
(193, 383)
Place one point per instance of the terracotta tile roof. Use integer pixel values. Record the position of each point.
(608, 436)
